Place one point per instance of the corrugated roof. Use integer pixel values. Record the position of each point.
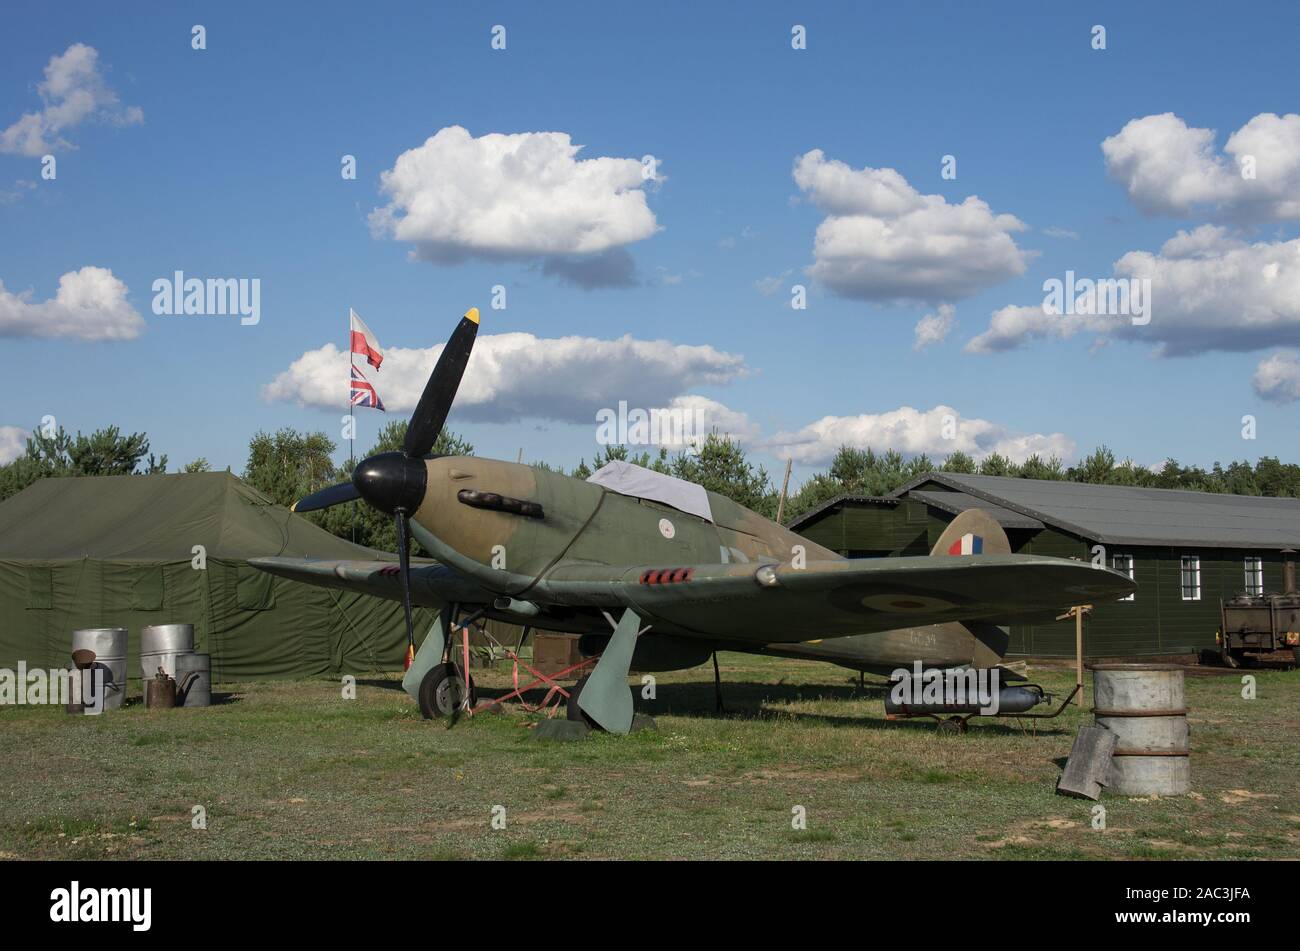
(799, 521)
(1119, 514)
(957, 502)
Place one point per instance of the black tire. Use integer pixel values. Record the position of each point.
(953, 726)
(441, 691)
(571, 709)
(573, 712)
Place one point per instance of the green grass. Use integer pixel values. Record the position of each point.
(290, 770)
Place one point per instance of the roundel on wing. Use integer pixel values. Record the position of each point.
(905, 603)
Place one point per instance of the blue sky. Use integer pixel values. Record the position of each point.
(234, 172)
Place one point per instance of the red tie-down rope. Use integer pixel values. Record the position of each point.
(518, 692)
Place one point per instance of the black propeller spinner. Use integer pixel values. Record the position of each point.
(394, 482)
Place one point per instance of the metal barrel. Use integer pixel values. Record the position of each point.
(199, 693)
(109, 647)
(1144, 706)
(159, 645)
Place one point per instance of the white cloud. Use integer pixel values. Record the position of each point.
(767, 286)
(1209, 291)
(72, 92)
(884, 240)
(21, 187)
(1012, 327)
(90, 304)
(912, 432)
(1277, 378)
(1055, 232)
(1170, 168)
(524, 196)
(13, 442)
(730, 241)
(515, 376)
(934, 328)
(703, 416)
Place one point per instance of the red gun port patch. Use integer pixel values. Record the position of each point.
(667, 575)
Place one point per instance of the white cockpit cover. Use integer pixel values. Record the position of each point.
(627, 479)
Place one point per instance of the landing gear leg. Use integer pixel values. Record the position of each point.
(717, 684)
(605, 696)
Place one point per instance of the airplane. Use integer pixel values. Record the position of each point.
(686, 571)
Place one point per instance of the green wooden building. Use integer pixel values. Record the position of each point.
(1186, 550)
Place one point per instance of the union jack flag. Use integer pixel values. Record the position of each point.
(363, 394)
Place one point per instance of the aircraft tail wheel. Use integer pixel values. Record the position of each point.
(442, 690)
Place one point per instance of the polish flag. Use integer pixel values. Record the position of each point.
(968, 544)
(363, 341)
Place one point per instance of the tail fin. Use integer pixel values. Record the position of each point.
(973, 532)
(976, 532)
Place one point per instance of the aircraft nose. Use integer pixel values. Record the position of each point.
(391, 480)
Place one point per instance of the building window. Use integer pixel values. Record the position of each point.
(1191, 577)
(1255, 575)
(1124, 565)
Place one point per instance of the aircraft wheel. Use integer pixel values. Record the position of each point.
(571, 709)
(442, 690)
(573, 712)
(952, 726)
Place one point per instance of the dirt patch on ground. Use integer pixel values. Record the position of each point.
(1235, 797)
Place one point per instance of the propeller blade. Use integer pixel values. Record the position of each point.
(404, 565)
(334, 495)
(431, 412)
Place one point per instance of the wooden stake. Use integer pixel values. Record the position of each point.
(1078, 654)
(1077, 613)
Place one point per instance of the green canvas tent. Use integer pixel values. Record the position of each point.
(122, 551)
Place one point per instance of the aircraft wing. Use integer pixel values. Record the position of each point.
(781, 603)
(432, 584)
(763, 603)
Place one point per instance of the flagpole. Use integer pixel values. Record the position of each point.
(352, 424)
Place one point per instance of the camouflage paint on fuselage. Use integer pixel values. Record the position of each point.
(587, 524)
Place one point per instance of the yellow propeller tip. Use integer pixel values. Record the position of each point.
(472, 314)
(294, 507)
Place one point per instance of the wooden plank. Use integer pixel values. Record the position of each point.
(1085, 771)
